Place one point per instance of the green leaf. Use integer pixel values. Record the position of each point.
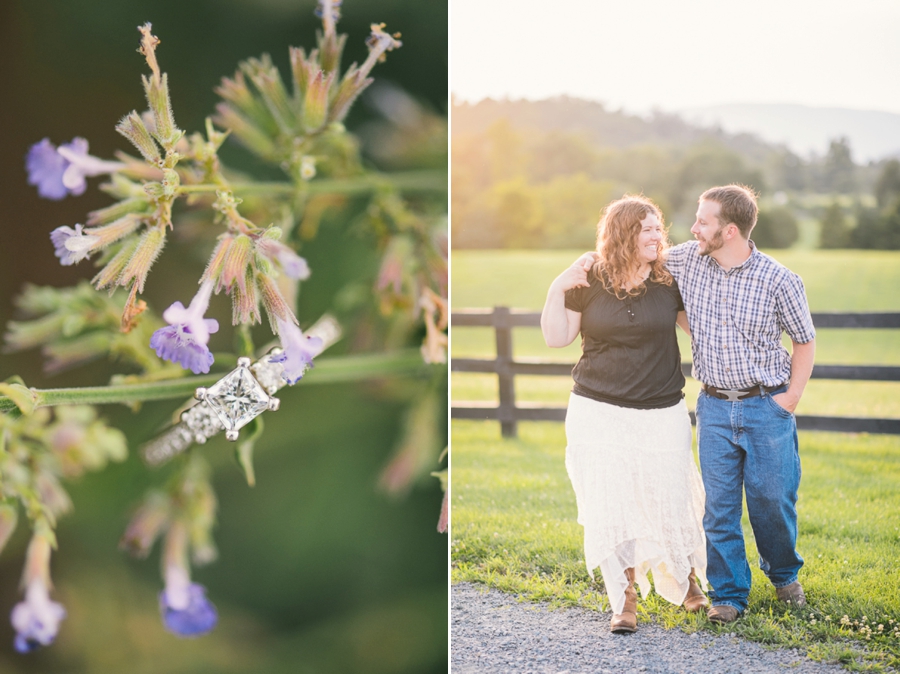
(244, 450)
(22, 396)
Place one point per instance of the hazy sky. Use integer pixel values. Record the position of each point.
(677, 54)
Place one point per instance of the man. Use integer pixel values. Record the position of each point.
(738, 303)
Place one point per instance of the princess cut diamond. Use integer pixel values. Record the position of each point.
(237, 399)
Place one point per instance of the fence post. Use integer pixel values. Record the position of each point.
(505, 378)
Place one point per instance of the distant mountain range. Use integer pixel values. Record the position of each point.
(752, 129)
(806, 130)
(603, 126)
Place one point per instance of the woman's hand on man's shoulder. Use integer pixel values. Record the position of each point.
(587, 260)
(575, 276)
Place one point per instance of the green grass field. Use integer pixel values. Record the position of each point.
(835, 281)
(513, 509)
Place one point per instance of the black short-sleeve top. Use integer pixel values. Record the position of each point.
(629, 350)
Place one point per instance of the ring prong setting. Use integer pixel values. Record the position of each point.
(243, 362)
(231, 436)
(274, 404)
(200, 393)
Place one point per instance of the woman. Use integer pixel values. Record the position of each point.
(639, 495)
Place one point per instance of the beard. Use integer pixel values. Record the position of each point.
(713, 244)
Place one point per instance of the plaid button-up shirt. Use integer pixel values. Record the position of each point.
(737, 317)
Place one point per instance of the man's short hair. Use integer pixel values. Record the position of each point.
(737, 204)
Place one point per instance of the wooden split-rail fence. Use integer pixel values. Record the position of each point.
(509, 413)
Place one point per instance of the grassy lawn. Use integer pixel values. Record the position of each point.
(514, 529)
(513, 509)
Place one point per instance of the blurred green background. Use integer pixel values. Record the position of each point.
(318, 571)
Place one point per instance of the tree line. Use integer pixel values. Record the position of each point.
(521, 178)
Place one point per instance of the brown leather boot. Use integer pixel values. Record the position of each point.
(626, 621)
(792, 594)
(695, 600)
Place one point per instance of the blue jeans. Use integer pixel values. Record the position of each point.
(749, 444)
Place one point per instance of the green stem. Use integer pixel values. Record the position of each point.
(326, 371)
(406, 181)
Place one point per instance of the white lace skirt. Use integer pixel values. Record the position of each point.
(639, 494)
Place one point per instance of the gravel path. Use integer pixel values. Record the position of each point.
(492, 632)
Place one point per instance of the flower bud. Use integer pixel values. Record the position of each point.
(268, 82)
(245, 303)
(351, 86)
(112, 272)
(157, 90)
(236, 263)
(217, 259)
(114, 231)
(134, 130)
(101, 442)
(52, 495)
(120, 187)
(23, 335)
(331, 48)
(148, 249)
(238, 93)
(315, 106)
(250, 135)
(303, 69)
(118, 210)
(418, 445)
(276, 307)
(202, 512)
(146, 525)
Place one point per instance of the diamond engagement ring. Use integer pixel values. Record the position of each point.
(233, 401)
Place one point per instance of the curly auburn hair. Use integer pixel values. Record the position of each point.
(617, 235)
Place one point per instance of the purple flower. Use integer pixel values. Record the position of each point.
(36, 620)
(294, 266)
(72, 245)
(185, 610)
(298, 351)
(60, 171)
(184, 340)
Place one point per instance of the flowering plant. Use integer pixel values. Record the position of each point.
(252, 229)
